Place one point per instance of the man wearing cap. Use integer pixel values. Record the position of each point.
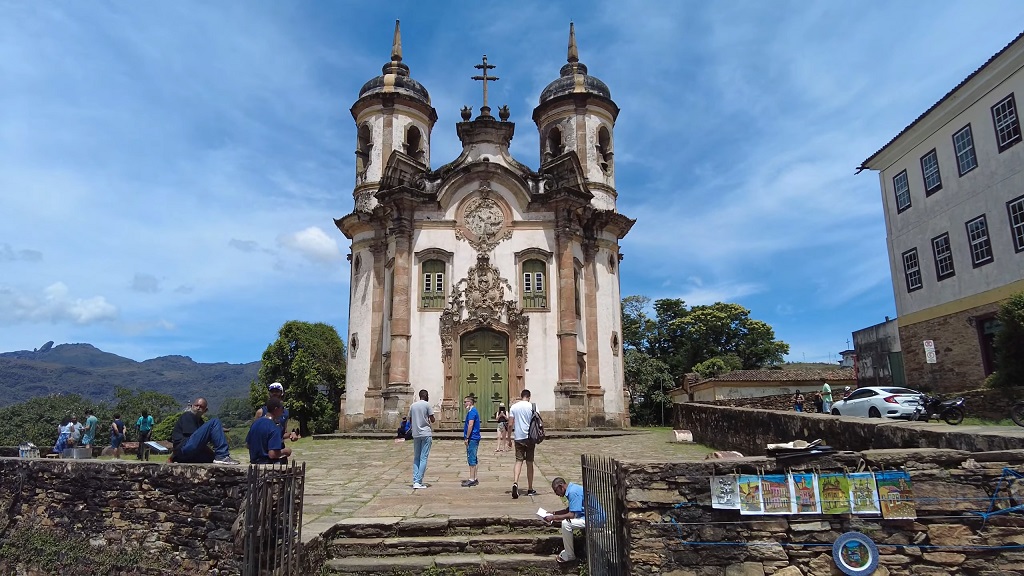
(277, 391)
(266, 446)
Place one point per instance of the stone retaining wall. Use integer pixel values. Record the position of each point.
(113, 517)
(673, 530)
(749, 430)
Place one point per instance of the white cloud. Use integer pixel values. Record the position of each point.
(312, 243)
(56, 305)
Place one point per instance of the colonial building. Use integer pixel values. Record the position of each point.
(484, 276)
(953, 192)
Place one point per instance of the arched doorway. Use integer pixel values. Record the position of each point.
(483, 370)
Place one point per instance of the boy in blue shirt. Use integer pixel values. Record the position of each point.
(266, 446)
(471, 435)
(572, 517)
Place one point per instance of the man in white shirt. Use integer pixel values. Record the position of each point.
(519, 418)
(421, 416)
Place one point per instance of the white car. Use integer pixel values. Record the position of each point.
(875, 402)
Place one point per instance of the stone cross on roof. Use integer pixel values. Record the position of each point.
(485, 110)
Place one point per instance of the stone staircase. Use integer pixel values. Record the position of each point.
(444, 546)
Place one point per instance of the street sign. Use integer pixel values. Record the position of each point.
(929, 351)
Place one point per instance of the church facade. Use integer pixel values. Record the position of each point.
(483, 276)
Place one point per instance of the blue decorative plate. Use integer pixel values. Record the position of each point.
(855, 554)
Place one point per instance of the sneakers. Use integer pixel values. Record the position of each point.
(515, 491)
(418, 486)
(531, 492)
(468, 483)
(226, 460)
(564, 558)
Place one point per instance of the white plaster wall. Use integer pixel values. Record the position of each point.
(609, 320)
(724, 391)
(984, 190)
(357, 371)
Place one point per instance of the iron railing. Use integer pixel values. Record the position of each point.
(604, 502)
(273, 520)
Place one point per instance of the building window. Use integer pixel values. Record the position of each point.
(943, 257)
(1015, 208)
(963, 144)
(902, 189)
(912, 270)
(432, 289)
(1007, 125)
(930, 172)
(577, 289)
(981, 247)
(535, 286)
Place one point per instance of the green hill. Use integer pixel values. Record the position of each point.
(94, 374)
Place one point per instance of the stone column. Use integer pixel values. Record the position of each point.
(595, 392)
(399, 391)
(373, 406)
(569, 396)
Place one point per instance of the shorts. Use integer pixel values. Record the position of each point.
(525, 451)
(471, 450)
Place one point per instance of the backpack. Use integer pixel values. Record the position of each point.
(536, 433)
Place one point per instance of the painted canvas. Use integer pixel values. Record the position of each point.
(864, 493)
(805, 493)
(725, 492)
(776, 494)
(750, 495)
(834, 494)
(896, 495)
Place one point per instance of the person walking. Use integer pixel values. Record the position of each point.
(471, 436)
(502, 417)
(421, 416)
(117, 430)
(519, 420)
(798, 401)
(826, 398)
(145, 427)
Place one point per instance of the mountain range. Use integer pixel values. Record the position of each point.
(94, 374)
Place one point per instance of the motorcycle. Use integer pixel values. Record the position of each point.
(950, 411)
(1017, 413)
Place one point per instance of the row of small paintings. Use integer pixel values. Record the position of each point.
(886, 493)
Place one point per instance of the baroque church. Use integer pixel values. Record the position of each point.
(484, 276)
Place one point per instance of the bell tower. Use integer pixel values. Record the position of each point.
(576, 113)
(392, 113)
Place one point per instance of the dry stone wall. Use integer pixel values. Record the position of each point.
(115, 517)
(673, 530)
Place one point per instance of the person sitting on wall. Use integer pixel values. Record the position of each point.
(276, 390)
(192, 435)
(572, 517)
(266, 446)
(404, 431)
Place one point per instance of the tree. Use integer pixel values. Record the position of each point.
(637, 327)
(648, 380)
(36, 420)
(1009, 344)
(131, 403)
(713, 367)
(236, 412)
(309, 360)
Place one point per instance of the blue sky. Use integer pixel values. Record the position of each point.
(169, 171)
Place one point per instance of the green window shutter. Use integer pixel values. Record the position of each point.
(432, 289)
(534, 287)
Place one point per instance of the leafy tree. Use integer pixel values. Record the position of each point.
(309, 360)
(1009, 344)
(131, 403)
(637, 327)
(236, 412)
(36, 420)
(718, 365)
(648, 381)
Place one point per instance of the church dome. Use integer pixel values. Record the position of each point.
(573, 77)
(395, 76)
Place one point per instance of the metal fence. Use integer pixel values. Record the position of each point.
(273, 520)
(604, 500)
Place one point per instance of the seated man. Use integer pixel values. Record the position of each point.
(266, 446)
(574, 516)
(191, 436)
(404, 429)
(276, 390)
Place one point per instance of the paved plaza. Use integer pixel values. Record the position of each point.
(372, 478)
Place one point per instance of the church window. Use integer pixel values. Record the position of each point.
(432, 290)
(554, 142)
(363, 146)
(604, 149)
(576, 278)
(535, 293)
(413, 137)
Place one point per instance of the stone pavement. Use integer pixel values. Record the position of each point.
(372, 478)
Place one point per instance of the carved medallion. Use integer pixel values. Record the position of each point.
(483, 221)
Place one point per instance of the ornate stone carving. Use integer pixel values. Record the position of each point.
(479, 300)
(483, 221)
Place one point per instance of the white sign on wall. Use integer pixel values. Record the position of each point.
(929, 351)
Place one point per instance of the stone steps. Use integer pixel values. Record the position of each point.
(467, 564)
(441, 545)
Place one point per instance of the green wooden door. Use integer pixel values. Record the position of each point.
(484, 371)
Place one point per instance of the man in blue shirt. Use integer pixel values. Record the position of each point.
(574, 516)
(266, 446)
(276, 390)
(471, 435)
